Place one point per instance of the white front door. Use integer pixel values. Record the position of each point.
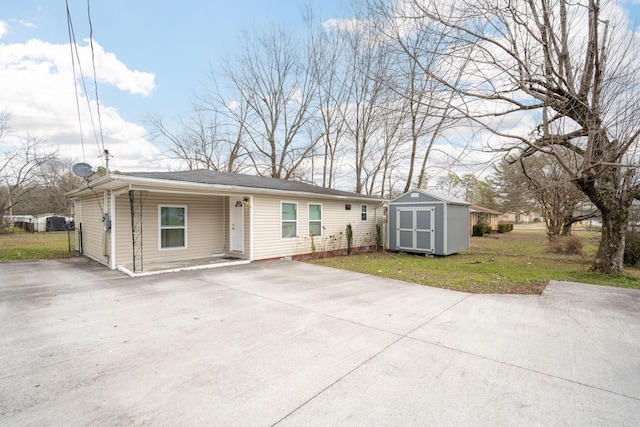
(236, 224)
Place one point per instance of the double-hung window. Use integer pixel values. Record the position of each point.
(289, 220)
(315, 220)
(173, 226)
(363, 212)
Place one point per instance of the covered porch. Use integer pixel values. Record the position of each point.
(161, 230)
(160, 267)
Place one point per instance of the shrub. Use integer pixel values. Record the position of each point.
(349, 239)
(503, 228)
(571, 245)
(481, 228)
(632, 247)
(378, 237)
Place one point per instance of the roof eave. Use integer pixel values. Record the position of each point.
(119, 181)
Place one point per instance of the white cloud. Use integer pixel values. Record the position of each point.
(348, 25)
(4, 28)
(37, 89)
(110, 70)
(24, 23)
(233, 105)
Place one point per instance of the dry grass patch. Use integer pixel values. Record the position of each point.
(18, 245)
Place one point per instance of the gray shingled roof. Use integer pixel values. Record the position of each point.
(249, 181)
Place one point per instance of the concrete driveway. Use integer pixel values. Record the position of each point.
(287, 343)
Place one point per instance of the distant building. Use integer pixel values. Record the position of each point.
(479, 214)
(525, 217)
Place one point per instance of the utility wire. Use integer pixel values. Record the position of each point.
(95, 78)
(74, 49)
(75, 86)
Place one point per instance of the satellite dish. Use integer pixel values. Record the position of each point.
(82, 169)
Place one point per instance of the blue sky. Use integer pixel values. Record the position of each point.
(151, 55)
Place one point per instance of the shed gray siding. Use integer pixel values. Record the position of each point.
(458, 238)
(450, 223)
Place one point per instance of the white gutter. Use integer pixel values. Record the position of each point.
(206, 189)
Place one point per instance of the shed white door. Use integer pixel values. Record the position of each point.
(414, 230)
(236, 224)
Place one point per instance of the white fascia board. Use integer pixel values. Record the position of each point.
(167, 186)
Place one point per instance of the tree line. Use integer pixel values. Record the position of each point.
(33, 178)
(344, 106)
(387, 100)
(399, 95)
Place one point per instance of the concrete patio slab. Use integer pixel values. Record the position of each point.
(288, 343)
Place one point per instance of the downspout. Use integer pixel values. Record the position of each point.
(251, 228)
(112, 231)
(105, 224)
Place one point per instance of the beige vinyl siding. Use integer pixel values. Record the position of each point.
(267, 239)
(205, 235)
(89, 215)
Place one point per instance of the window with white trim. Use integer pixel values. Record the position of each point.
(172, 227)
(363, 212)
(289, 220)
(315, 219)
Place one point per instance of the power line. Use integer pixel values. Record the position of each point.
(74, 52)
(75, 86)
(95, 78)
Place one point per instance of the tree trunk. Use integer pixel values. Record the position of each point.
(566, 227)
(610, 255)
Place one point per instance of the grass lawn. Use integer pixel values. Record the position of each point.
(18, 245)
(518, 262)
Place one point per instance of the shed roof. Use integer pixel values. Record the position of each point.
(448, 198)
(221, 180)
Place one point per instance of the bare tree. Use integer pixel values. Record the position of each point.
(55, 178)
(367, 66)
(19, 167)
(210, 138)
(465, 187)
(272, 78)
(326, 60)
(550, 186)
(575, 64)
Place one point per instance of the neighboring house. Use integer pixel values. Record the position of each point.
(129, 220)
(525, 217)
(479, 214)
(41, 222)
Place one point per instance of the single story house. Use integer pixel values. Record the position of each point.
(520, 217)
(136, 221)
(479, 214)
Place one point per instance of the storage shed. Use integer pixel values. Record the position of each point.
(428, 222)
(56, 223)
